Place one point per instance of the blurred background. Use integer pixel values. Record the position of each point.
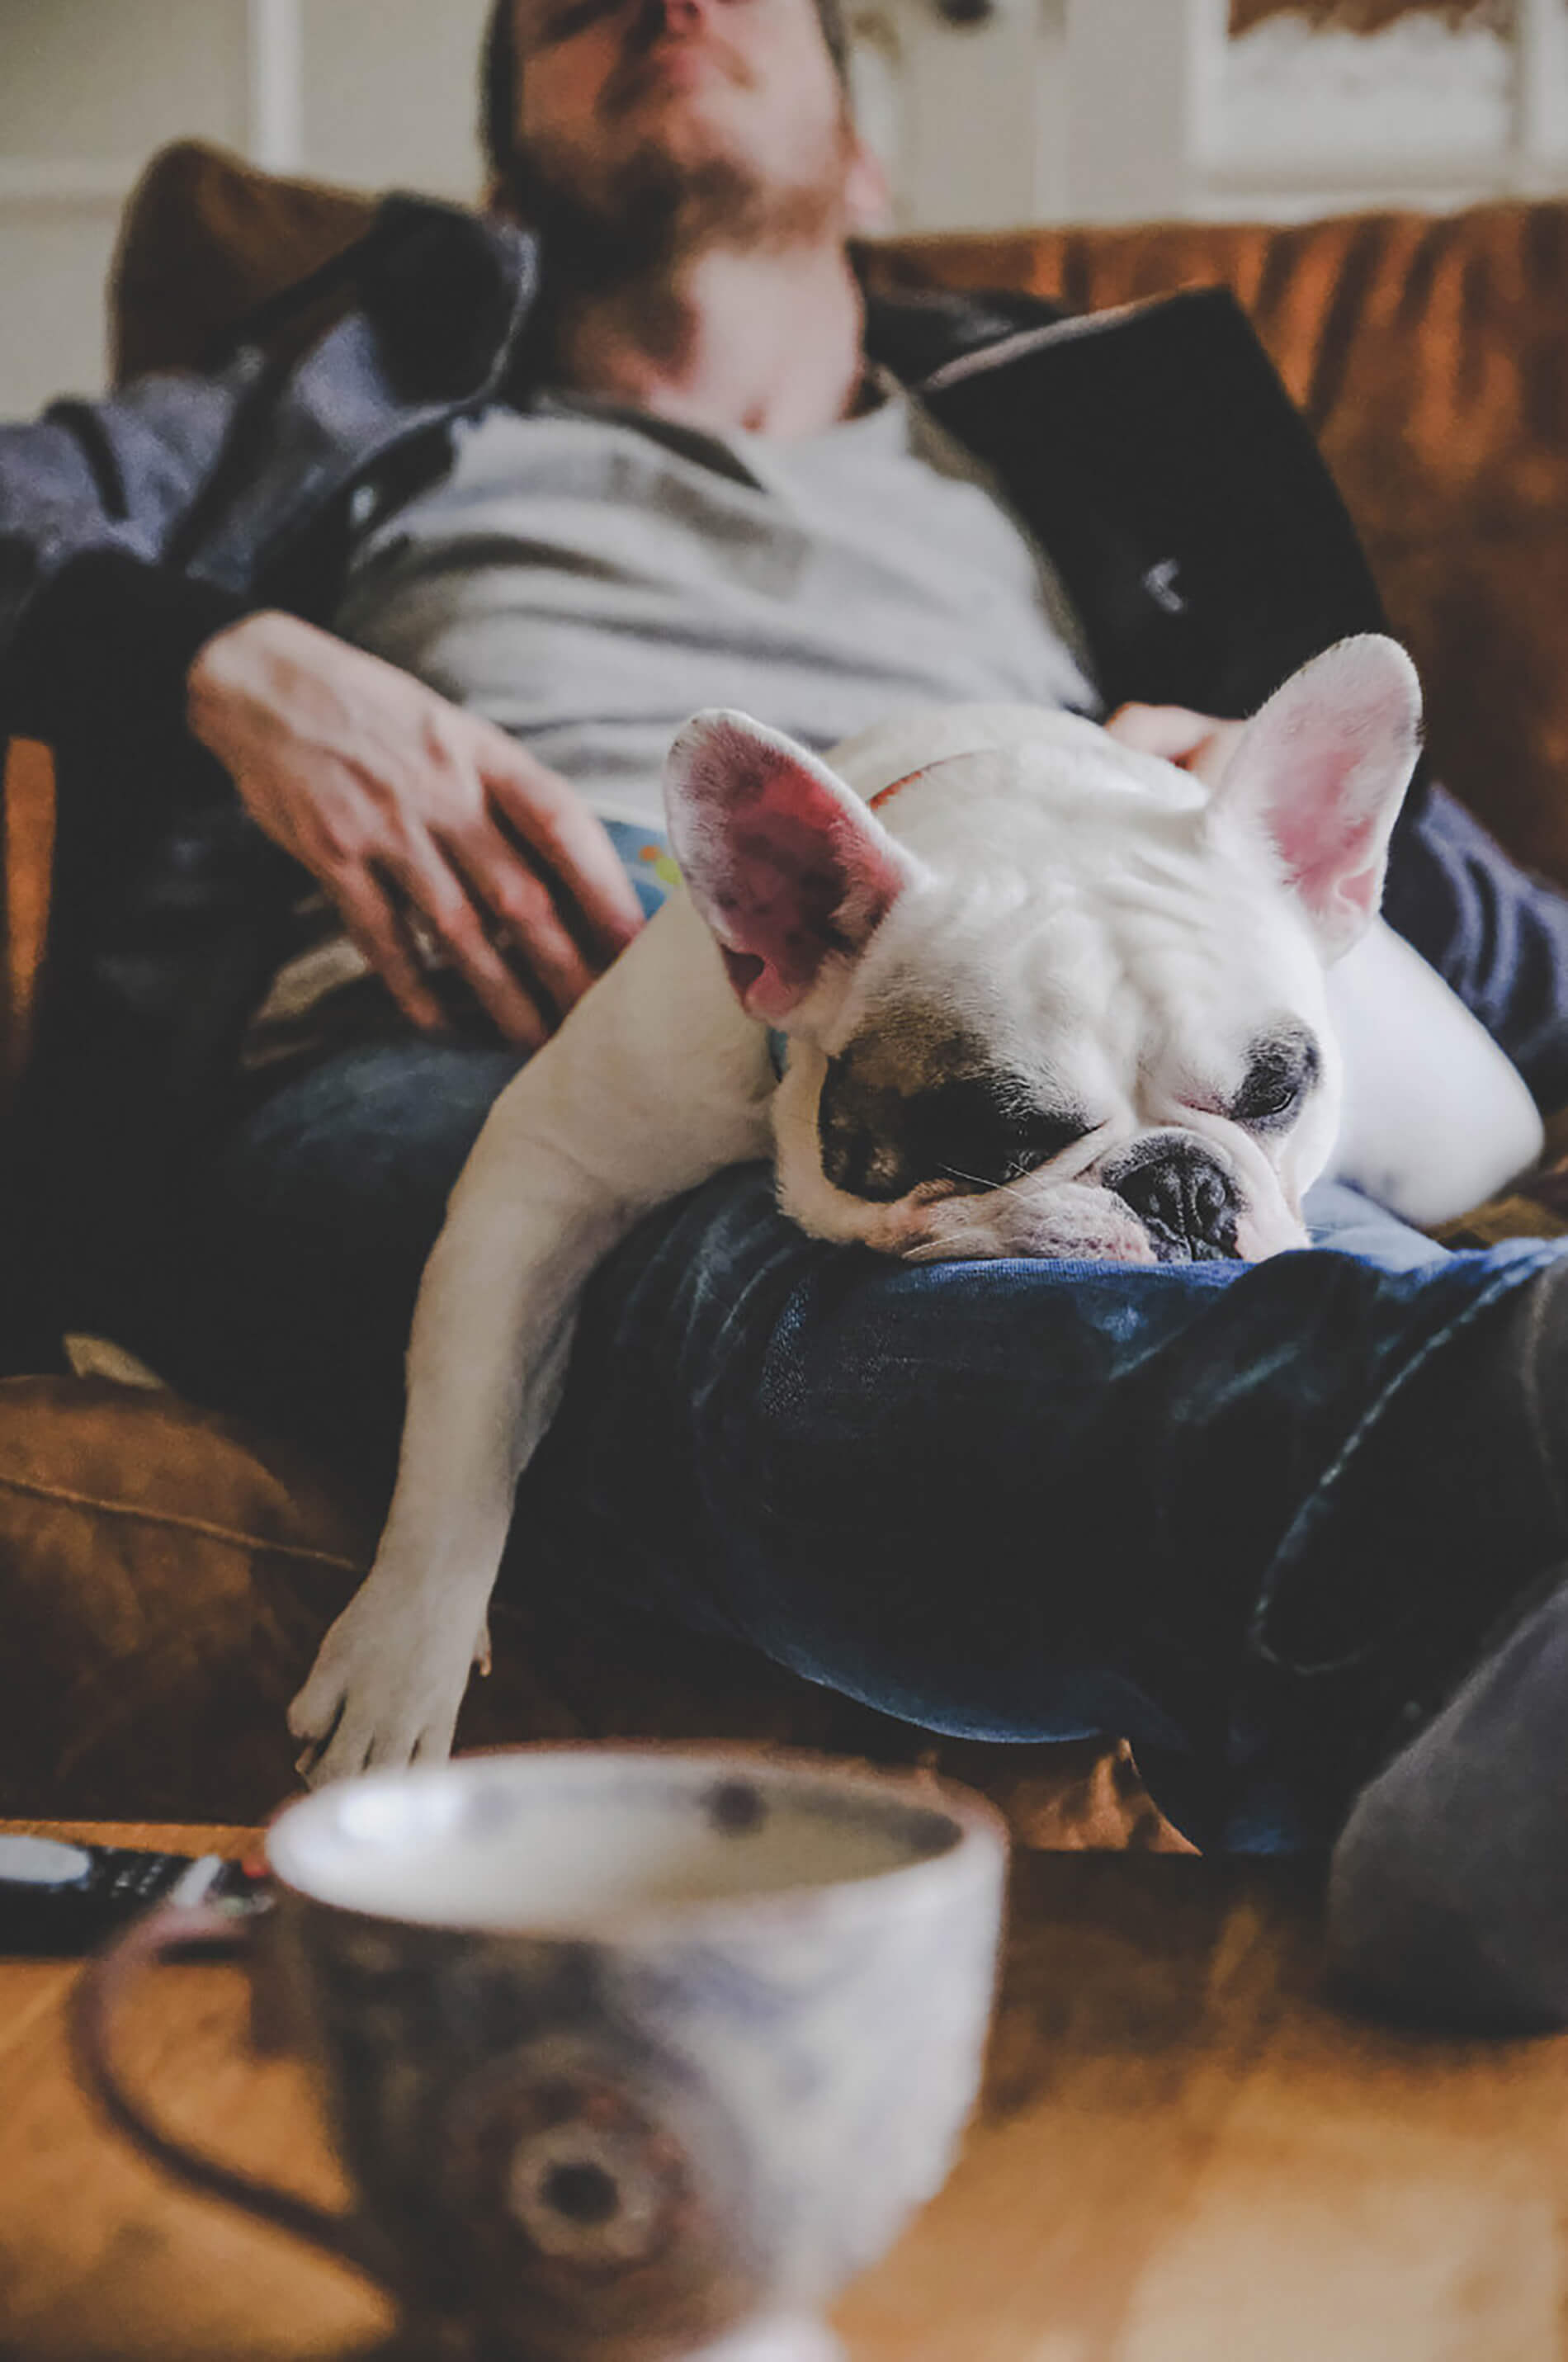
(988, 113)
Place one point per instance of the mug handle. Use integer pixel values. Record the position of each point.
(174, 1927)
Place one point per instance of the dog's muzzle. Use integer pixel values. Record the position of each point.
(1185, 1198)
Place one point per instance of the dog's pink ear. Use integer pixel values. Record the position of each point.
(1322, 769)
(788, 867)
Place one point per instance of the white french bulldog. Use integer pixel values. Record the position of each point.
(1042, 995)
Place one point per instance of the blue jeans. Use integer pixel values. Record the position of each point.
(1253, 1517)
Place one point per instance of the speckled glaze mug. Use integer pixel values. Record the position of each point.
(630, 2054)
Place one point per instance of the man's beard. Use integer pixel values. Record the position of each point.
(634, 222)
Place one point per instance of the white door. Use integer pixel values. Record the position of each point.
(377, 93)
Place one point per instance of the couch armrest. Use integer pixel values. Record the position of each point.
(27, 854)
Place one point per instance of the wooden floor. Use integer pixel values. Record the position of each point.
(1185, 2155)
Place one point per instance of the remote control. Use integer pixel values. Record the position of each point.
(59, 1899)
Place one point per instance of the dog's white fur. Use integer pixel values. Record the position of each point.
(1093, 915)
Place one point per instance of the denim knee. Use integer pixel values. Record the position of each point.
(1019, 1500)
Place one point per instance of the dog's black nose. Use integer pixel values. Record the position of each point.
(1184, 1197)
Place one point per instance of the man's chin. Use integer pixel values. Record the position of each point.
(680, 174)
(684, 145)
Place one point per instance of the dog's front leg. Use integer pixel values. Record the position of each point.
(490, 1335)
(656, 1081)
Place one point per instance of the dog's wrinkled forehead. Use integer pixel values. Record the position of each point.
(1063, 983)
(1089, 917)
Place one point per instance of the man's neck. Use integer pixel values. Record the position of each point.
(767, 341)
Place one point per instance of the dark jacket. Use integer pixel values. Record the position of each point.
(1154, 452)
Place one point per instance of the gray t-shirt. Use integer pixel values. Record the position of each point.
(588, 576)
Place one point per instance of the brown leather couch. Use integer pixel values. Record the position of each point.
(164, 1576)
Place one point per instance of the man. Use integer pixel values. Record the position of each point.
(1264, 1521)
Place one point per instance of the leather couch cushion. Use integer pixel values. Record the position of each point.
(165, 1575)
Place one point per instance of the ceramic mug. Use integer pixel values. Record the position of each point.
(633, 2054)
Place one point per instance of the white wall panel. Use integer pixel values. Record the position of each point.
(53, 264)
(969, 129)
(113, 79)
(1140, 78)
(89, 90)
(1053, 114)
(391, 93)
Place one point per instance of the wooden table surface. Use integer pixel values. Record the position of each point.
(1185, 2154)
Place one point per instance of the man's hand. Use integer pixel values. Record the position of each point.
(1194, 742)
(415, 816)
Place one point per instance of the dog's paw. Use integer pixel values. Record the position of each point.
(388, 1681)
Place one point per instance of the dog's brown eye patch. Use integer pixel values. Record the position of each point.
(880, 1137)
(1282, 1067)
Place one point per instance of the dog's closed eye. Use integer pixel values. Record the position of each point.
(1282, 1067)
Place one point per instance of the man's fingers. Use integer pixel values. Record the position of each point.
(1199, 742)
(550, 817)
(380, 934)
(523, 905)
(443, 903)
(433, 1744)
(1169, 730)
